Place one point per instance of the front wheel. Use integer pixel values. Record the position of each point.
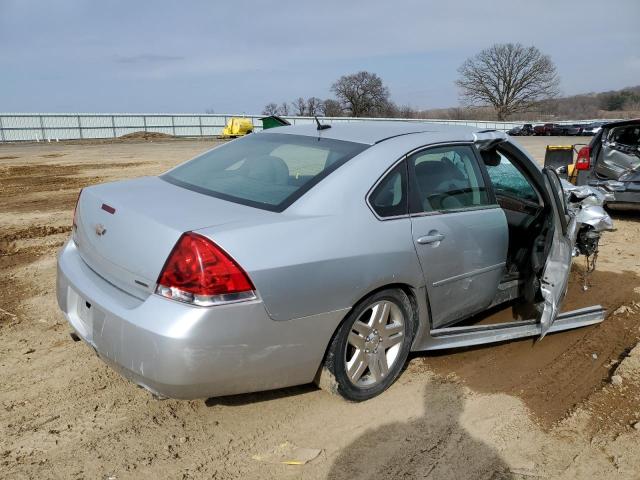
(371, 346)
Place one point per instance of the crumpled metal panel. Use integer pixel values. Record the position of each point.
(596, 217)
(587, 203)
(619, 161)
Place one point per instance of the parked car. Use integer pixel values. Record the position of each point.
(565, 130)
(612, 161)
(306, 253)
(576, 129)
(524, 130)
(544, 129)
(592, 128)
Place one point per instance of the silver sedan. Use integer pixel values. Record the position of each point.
(312, 253)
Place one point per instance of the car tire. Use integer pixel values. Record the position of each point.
(370, 348)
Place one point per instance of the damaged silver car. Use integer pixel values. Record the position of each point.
(326, 253)
(612, 161)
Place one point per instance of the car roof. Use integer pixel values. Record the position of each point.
(620, 123)
(375, 131)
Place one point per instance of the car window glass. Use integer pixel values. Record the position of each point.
(448, 178)
(302, 160)
(264, 170)
(389, 198)
(507, 180)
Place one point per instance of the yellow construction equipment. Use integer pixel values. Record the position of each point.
(560, 158)
(237, 127)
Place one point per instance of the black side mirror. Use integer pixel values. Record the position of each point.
(491, 158)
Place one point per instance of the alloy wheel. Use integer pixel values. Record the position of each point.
(374, 343)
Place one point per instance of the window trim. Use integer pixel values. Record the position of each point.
(380, 179)
(491, 198)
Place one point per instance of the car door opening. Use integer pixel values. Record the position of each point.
(538, 258)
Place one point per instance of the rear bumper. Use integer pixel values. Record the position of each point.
(625, 201)
(180, 351)
(626, 195)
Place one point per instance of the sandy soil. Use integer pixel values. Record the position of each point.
(524, 409)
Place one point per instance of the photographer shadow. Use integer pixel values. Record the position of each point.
(434, 446)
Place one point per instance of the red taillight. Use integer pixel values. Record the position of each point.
(75, 209)
(583, 161)
(199, 272)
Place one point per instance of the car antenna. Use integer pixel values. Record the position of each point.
(320, 125)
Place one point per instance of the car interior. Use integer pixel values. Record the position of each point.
(620, 152)
(448, 179)
(528, 223)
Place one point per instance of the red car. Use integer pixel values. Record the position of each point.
(544, 129)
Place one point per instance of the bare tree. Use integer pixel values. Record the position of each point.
(270, 109)
(332, 108)
(363, 94)
(509, 77)
(210, 111)
(299, 107)
(314, 106)
(283, 109)
(406, 111)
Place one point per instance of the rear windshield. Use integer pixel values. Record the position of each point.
(264, 170)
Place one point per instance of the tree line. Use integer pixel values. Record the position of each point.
(361, 94)
(497, 83)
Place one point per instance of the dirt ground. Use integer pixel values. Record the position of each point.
(564, 407)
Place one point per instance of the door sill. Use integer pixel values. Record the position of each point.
(456, 337)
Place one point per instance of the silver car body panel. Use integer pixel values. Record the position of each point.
(182, 351)
(464, 267)
(149, 217)
(458, 337)
(590, 209)
(555, 276)
(310, 265)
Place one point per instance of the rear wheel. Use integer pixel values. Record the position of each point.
(371, 347)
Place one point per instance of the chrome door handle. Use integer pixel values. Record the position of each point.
(433, 237)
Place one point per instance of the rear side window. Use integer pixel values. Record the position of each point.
(447, 178)
(389, 198)
(269, 170)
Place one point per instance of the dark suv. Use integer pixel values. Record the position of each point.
(524, 130)
(565, 129)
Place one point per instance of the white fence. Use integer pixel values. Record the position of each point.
(72, 126)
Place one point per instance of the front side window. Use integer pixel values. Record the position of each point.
(447, 178)
(389, 198)
(264, 170)
(508, 181)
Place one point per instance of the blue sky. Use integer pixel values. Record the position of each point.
(234, 57)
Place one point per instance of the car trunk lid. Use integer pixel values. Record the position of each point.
(126, 230)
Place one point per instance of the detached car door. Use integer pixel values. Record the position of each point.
(555, 276)
(459, 232)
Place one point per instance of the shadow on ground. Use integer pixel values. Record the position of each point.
(434, 446)
(259, 397)
(628, 215)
